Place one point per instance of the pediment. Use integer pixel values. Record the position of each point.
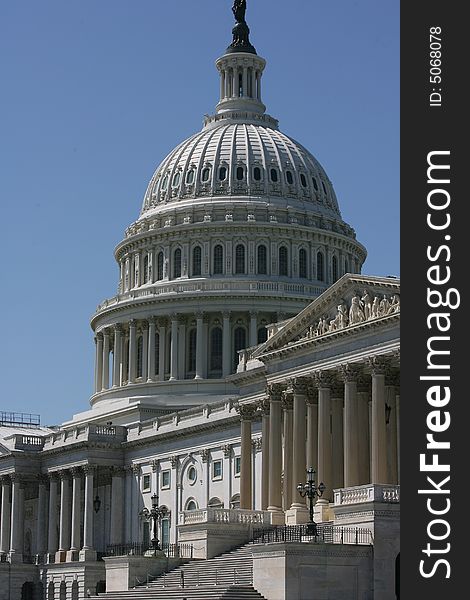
(351, 302)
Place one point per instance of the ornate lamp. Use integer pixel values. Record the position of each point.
(311, 491)
(155, 514)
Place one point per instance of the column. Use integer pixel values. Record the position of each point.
(125, 359)
(337, 421)
(222, 85)
(76, 513)
(16, 524)
(287, 404)
(363, 436)
(245, 81)
(253, 328)
(99, 362)
(351, 432)
(235, 86)
(105, 381)
(174, 348)
(275, 448)
(325, 471)
(5, 524)
(65, 513)
(161, 350)
(52, 539)
(226, 345)
(117, 355)
(397, 403)
(260, 76)
(145, 350)
(299, 470)
(379, 433)
(263, 405)
(312, 432)
(205, 342)
(132, 350)
(117, 505)
(87, 552)
(41, 516)
(246, 415)
(199, 345)
(151, 350)
(392, 450)
(128, 505)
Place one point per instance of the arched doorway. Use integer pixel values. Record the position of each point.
(75, 590)
(63, 591)
(50, 591)
(27, 591)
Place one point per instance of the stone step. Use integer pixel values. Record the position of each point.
(234, 592)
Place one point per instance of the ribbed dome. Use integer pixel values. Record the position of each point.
(240, 158)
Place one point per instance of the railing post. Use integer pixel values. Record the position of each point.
(356, 536)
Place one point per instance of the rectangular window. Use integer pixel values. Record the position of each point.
(146, 483)
(217, 469)
(166, 480)
(237, 465)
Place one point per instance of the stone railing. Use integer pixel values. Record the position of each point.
(87, 433)
(368, 493)
(225, 516)
(28, 442)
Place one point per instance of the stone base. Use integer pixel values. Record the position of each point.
(72, 555)
(15, 557)
(322, 512)
(87, 555)
(297, 515)
(60, 556)
(126, 572)
(277, 517)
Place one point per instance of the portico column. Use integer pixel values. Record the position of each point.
(99, 362)
(312, 431)
(52, 539)
(117, 355)
(363, 435)
(263, 405)
(246, 416)
(125, 359)
(161, 350)
(16, 552)
(245, 81)
(132, 350)
(65, 514)
(235, 86)
(41, 516)
(151, 350)
(397, 403)
(390, 401)
(299, 388)
(351, 458)
(287, 404)
(174, 349)
(253, 328)
(76, 509)
(87, 552)
(145, 350)
(275, 448)
(199, 345)
(379, 433)
(337, 422)
(325, 472)
(105, 383)
(226, 345)
(5, 523)
(117, 505)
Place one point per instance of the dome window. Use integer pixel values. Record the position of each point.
(165, 183)
(160, 266)
(334, 267)
(197, 261)
(216, 349)
(283, 263)
(190, 177)
(257, 174)
(303, 180)
(240, 173)
(324, 187)
(218, 260)
(222, 173)
(176, 179)
(320, 267)
(239, 343)
(315, 183)
(262, 260)
(274, 176)
(177, 264)
(289, 177)
(303, 263)
(205, 174)
(240, 260)
(192, 343)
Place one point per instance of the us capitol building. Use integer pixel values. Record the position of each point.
(243, 347)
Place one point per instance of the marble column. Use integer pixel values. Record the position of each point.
(199, 345)
(106, 341)
(5, 523)
(72, 554)
(52, 538)
(337, 421)
(161, 350)
(41, 516)
(275, 448)
(174, 349)
(125, 359)
(325, 471)
(246, 491)
(264, 407)
(299, 467)
(253, 328)
(65, 514)
(245, 81)
(392, 450)
(132, 350)
(99, 362)
(87, 553)
(117, 355)
(16, 524)
(226, 345)
(117, 505)
(287, 406)
(312, 431)
(351, 432)
(397, 403)
(145, 350)
(363, 434)
(151, 350)
(379, 433)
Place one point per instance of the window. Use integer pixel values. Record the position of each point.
(283, 267)
(323, 186)
(177, 263)
(166, 480)
(146, 483)
(191, 505)
(217, 469)
(303, 263)
(315, 183)
(257, 174)
(165, 183)
(218, 260)
(146, 268)
(160, 266)
(240, 173)
(239, 259)
(146, 534)
(334, 267)
(222, 173)
(320, 267)
(303, 180)
(157, 355)
(235, 501)
(140, 352)
(192, 351)
(197, 261)
(190, 177)
(346, 266)
(216, 349)
(262, 335)
(165, 531)
(289, 177)
(238, 465)
(262, 260)
(205, 174)
(274, 175)
(192, 475)
(215, 503)
(176, 179)
(239, 342)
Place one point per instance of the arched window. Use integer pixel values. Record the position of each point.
(235, 501)
(216, 349)
(320, 267)
(215, 503)
(165, 183)
(191, 505)
(257, 174)
(177, 263)
(303, 263)
(262, 260)
(197, 261)
(239, 259)
(140, 354)
(334, 268)
(160, 266)
(274, 175)
(239, 342)
(222, 173)
(146, 268)
(303, 180)
(190, 177)
(63, 591)
(205, 174)
(289, 177)
(157, 355)
(240, 173)
(218, 260)
(176, 179)
(192, 351)
(262, 335)
(50, 591)
(283, 266)
(75, 590)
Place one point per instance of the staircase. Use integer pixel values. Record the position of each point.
(228, 576)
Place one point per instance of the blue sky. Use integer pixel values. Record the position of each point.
(95, 93)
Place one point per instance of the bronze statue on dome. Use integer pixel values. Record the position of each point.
(241, 31)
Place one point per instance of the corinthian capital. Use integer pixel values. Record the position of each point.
(349, 373)
(246, 411)
(274, 391)
(323, 379)
(263, 406)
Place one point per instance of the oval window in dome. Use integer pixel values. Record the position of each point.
(324, 187)
(303, 180)
(222, 173)
(274, 177)
(165, 183)
(257, 174)
(289, 177)
(190, 176)
(240, 173)
(315, 183)
(205, 174)
(176, 179)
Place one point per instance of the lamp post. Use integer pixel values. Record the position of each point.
(311, 491)
(155, 514)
